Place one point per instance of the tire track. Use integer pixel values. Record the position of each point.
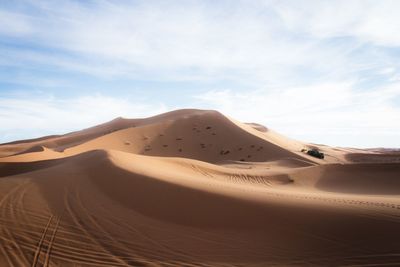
(11, 254)
(6, 256)
(69, 208)
(123, 251)
(16, 204)
(49, 247)
(42, 238)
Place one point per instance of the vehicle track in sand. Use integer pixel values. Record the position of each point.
(109, 258)
(40, 242)
(52, 240)
(11, 249)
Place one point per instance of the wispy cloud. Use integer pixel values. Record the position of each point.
(24, 116)
(370, 21)
(258, 42)
(334, 114)
(14, 24)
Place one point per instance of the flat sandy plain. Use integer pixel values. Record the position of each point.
(195, 188)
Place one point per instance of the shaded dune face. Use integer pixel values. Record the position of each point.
(194, 188)
(375, 179)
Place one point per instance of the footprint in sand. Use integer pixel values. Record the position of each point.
(224, 152)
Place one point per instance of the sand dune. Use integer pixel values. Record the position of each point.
(194, 188)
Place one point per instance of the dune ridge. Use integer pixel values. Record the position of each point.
(194, 188)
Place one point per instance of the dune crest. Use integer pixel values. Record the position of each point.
(195, 188)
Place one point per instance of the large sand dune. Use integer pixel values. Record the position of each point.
(195, 188)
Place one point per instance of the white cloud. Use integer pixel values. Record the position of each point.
(322, 113)
(245, 42)
(212, 38)
(368, 20)
(26, 117)
(14, 24)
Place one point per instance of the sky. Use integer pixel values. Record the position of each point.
(324, 72)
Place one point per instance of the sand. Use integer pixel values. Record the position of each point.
(195, 188)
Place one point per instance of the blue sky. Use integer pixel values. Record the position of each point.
(319, 71)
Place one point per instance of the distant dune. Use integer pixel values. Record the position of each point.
(195, 188)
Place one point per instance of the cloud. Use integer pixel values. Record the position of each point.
(253, 43)
(325, 113)
(14, 24)
(370, 21)
(24, 116)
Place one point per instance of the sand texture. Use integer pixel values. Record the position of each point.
(195, 188)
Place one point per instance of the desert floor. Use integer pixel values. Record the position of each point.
(195, 188)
